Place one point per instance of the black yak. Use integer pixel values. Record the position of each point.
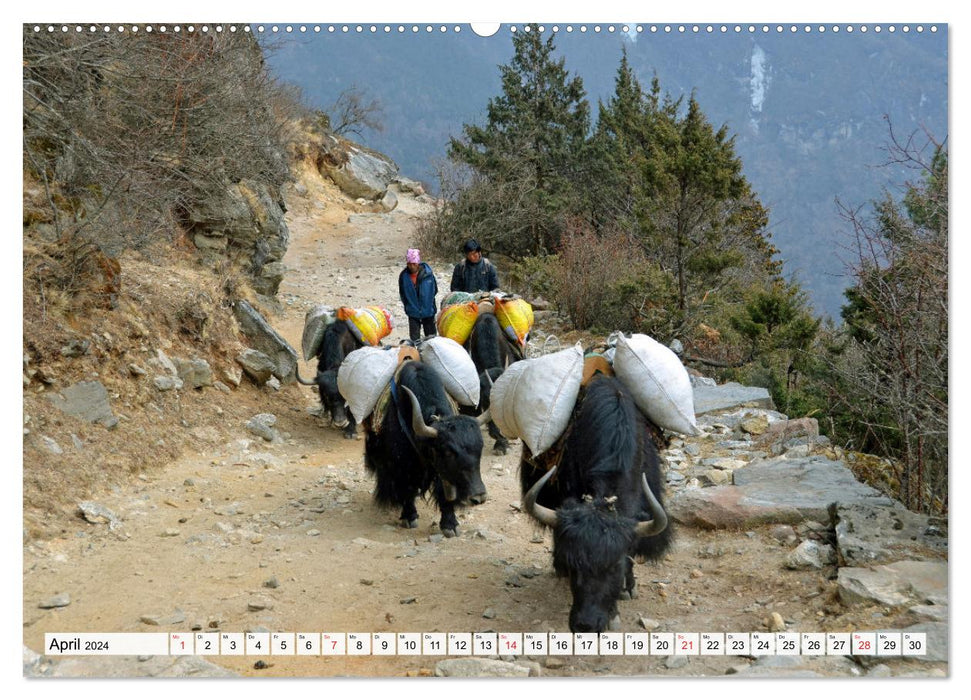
(419, 444)
(337, 343)
(491, 352)
(604, 504)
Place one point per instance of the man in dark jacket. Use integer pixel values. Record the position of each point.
(417, 288)
(475, 273)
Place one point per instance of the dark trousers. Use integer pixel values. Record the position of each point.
(416, 325)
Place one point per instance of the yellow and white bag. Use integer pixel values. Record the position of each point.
(369, 325)
(456, 321)
(515, 316)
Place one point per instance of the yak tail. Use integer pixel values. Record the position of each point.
(304, 381)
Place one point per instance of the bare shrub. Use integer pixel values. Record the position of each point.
(591, 278)
(126, 133)
(353, 111)
(897, 319)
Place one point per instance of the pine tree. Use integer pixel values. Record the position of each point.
(675, 184)
(527, 156)
(614, 186)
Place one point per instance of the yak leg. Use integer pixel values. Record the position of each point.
(630, 584)
(449, 523)
(502, 444)
(350, 430)
(409, 514)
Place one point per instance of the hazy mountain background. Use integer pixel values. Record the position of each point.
(807, 109)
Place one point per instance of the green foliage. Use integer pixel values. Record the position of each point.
(526, 158)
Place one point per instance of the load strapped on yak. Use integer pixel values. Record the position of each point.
(461, 309)
(369, 325)
(534, 399)
(365, 374)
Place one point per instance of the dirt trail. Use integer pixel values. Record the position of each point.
(285, 537)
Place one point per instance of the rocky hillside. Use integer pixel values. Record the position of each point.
(172, 341)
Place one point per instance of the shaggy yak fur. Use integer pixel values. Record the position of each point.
(337, 343)
(407, 464)
(491, 352)
(598, 498)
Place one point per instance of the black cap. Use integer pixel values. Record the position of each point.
(471, 245)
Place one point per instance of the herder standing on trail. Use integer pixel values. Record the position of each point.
(417, 288)
(475, 273)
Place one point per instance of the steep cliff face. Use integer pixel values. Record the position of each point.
(245, 226)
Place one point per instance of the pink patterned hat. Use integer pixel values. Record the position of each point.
(413, 256)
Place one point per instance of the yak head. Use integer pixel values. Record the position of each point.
(453, 445)
(331, 398)
(592, 540)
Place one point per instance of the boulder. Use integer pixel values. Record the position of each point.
(810, 554)
(262, 425)
(774, 491)
(262, 337)
(389, 201)
(269, 279)
(256, 365)
(409, 186)
(872, 534)
(897, 584)
(708, 399)
(86, 400)
(195, 373)
(358, 171)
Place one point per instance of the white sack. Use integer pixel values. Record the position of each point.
(659, 382)
(455, 368)
(363, 375)
(533, 399)
(314, 325)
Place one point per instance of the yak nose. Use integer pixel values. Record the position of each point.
(588, 622)
(478, 498)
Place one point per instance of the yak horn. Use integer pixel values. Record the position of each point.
(659, 521)
(417, 421)
(484, 417)
(544, 515)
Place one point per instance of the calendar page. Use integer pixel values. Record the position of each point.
(524, 350)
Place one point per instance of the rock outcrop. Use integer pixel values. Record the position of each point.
(245, 226)
(753, 466)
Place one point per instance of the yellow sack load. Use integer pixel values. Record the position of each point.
(515, 316)
(456, 321)
(369, 325)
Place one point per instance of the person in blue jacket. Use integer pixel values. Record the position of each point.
(417, 288)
